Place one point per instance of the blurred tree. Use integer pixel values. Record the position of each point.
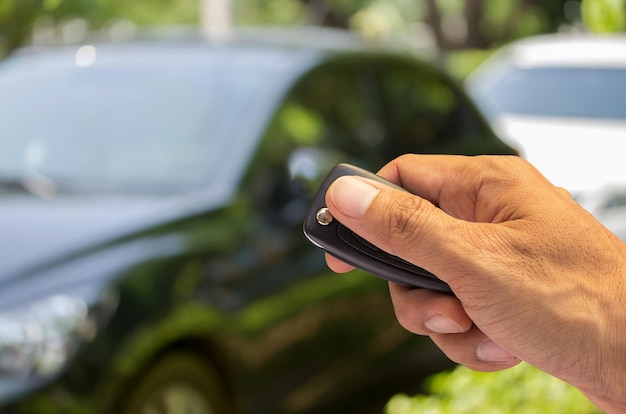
(16, 22)
(21, 20)
(519, 390)
(604, 16)
(216, 16)
(325, 14)
(453, 24)
(478, 24)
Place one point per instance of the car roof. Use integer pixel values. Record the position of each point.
(290, 49)
(568, 49)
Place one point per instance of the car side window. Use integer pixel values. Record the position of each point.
(326, 118)
(333, 108)
(425, 113)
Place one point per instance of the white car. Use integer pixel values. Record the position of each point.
(561, 100)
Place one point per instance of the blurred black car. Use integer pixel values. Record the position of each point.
(152, 195)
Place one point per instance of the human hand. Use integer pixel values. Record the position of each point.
(535, 277)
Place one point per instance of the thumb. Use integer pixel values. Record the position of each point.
(398, 222)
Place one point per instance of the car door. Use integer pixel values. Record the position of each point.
(425, 111)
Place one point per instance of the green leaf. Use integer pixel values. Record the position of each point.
(519, 390)
(51, 5)
(604, 16)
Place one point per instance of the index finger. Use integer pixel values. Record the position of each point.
(337, 265)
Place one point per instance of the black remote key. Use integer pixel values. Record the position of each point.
(325, 232)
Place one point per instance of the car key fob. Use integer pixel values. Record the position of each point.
(325, 232)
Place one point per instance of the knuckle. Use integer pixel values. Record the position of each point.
(404, 218)
(564, 193)
(503, 165)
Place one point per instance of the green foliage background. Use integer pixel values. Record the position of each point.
(604, 16)
(519, 390)
(495, 22)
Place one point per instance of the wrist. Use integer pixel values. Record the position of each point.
(607, 406)
(612, 396)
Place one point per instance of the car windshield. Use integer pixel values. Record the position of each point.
(560, 92)
(132, 127)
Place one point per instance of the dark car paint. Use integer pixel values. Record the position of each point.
(224, 272)
(309, 315)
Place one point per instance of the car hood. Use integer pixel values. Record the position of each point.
(35, 232)
(579, 155)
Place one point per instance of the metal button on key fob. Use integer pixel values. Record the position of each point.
(323, 216)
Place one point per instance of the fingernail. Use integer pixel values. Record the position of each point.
(491, 352)
(352, 196)
(442, 324)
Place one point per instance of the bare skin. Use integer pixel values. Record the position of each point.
(535, 277)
